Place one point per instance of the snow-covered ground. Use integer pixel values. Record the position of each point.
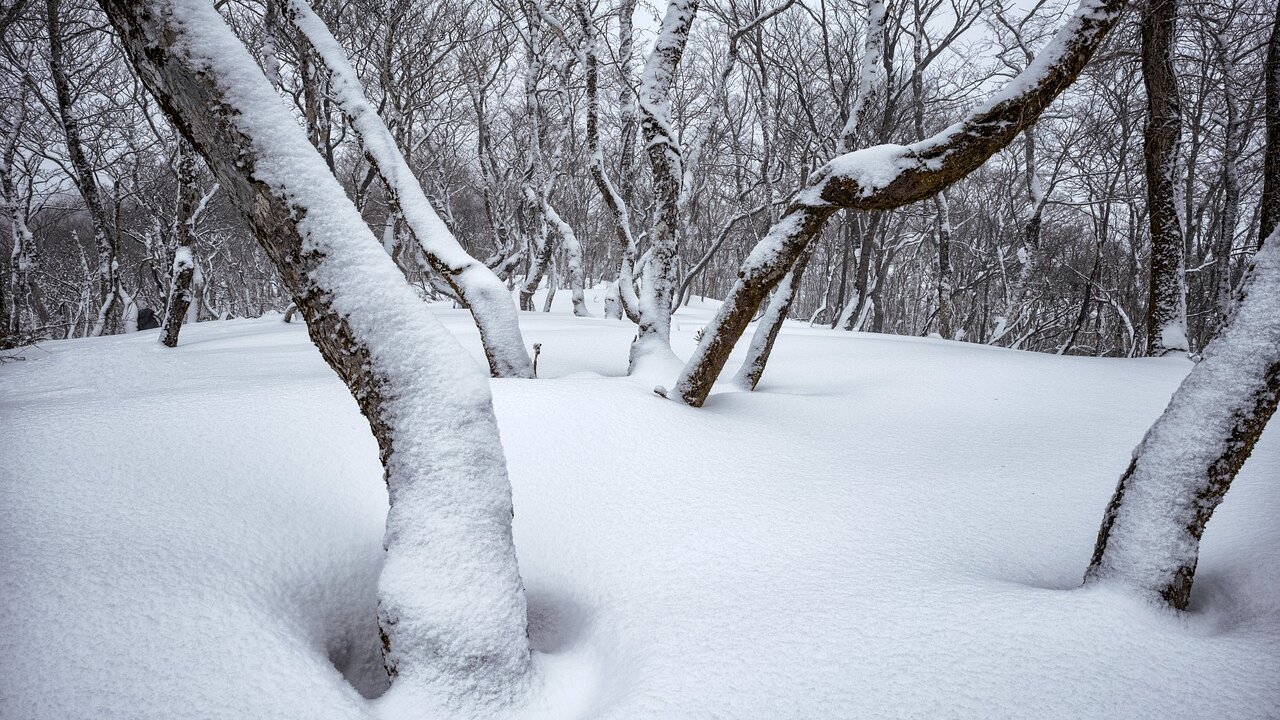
(889, 527)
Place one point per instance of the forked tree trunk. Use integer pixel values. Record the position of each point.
(771, 324)
(890, 176)
(1167, 295)
(451, 603)
(1150, 536)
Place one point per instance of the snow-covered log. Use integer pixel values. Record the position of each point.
(1150, 536)
(451, 602)
(1162, 138)
(474, 283)
(890, 176)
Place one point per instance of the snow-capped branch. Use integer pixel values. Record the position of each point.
(475, 284)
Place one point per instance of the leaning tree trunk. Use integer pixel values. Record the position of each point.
(573, 258)
(1167, 295)
(184, 262)
(473, 283)
(451, 603)
(104, 239)
(885, 177)
(1150, 536)
(771, 324)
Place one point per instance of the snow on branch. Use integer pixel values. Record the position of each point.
(471, 280)
(889, 176)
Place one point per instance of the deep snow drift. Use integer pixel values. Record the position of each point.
(889, 527)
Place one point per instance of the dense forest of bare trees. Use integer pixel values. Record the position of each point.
(1075, 180)
(531, 128)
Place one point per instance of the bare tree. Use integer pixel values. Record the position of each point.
(86, 181)
(1167, 299)
(1150, 535)
(183, 267)
(890, 176)
(451, 603)
(653, 98)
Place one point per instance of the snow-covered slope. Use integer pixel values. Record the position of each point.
(889, 527)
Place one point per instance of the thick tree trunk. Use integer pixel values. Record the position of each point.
(890, 176)
(1167, 295)
(451, 602)
(1150, 536)
(654, 335)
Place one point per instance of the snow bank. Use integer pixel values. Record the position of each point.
(888, 528)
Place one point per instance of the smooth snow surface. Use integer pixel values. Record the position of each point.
(888, 528)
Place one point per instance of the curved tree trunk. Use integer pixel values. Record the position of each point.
(451, 603)
(573, 258)
(890, 176)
